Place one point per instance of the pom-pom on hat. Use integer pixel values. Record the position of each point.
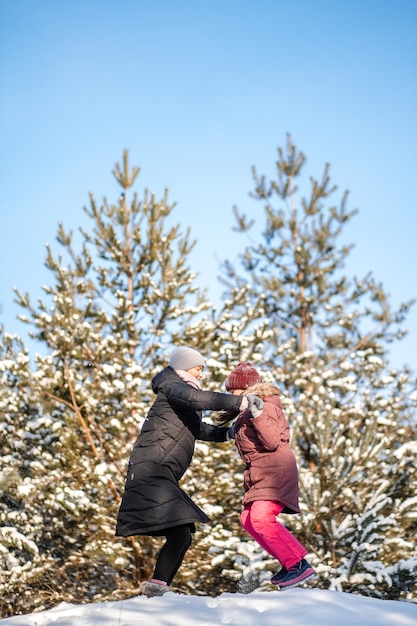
(184, 358)
(243, 376)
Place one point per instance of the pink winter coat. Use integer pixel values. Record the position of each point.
(263, 443)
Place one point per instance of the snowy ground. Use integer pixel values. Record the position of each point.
(294, 607)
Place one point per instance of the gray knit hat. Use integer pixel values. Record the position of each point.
(184, 358)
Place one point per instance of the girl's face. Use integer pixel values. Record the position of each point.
(197, 372)
(237, 392)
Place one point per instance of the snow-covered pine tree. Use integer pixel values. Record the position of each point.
(118, 297)
(20, 476)
(325, 339)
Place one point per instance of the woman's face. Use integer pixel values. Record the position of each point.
(197, 372)
(237, 392)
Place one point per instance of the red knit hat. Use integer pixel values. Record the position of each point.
(243, 376)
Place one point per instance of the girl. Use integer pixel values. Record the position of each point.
(271, 478)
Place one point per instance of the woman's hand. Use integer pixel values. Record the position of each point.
(255, 404)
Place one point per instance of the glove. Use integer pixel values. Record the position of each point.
(255, 404)
(231, 432)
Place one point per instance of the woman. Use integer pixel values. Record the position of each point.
(153, 503)
(262, 438)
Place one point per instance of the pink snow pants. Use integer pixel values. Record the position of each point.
(259, 520)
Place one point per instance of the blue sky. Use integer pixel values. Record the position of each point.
(199, 91)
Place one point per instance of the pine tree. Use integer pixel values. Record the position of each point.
(19, 418)
(325, 339)
(116, 302)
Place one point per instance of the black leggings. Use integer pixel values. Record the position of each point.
(178, 540)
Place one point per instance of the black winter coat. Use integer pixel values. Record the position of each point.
(152, 500)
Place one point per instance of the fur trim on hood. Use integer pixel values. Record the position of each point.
(263, 390)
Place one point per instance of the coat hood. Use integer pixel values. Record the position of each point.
(163, 378)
